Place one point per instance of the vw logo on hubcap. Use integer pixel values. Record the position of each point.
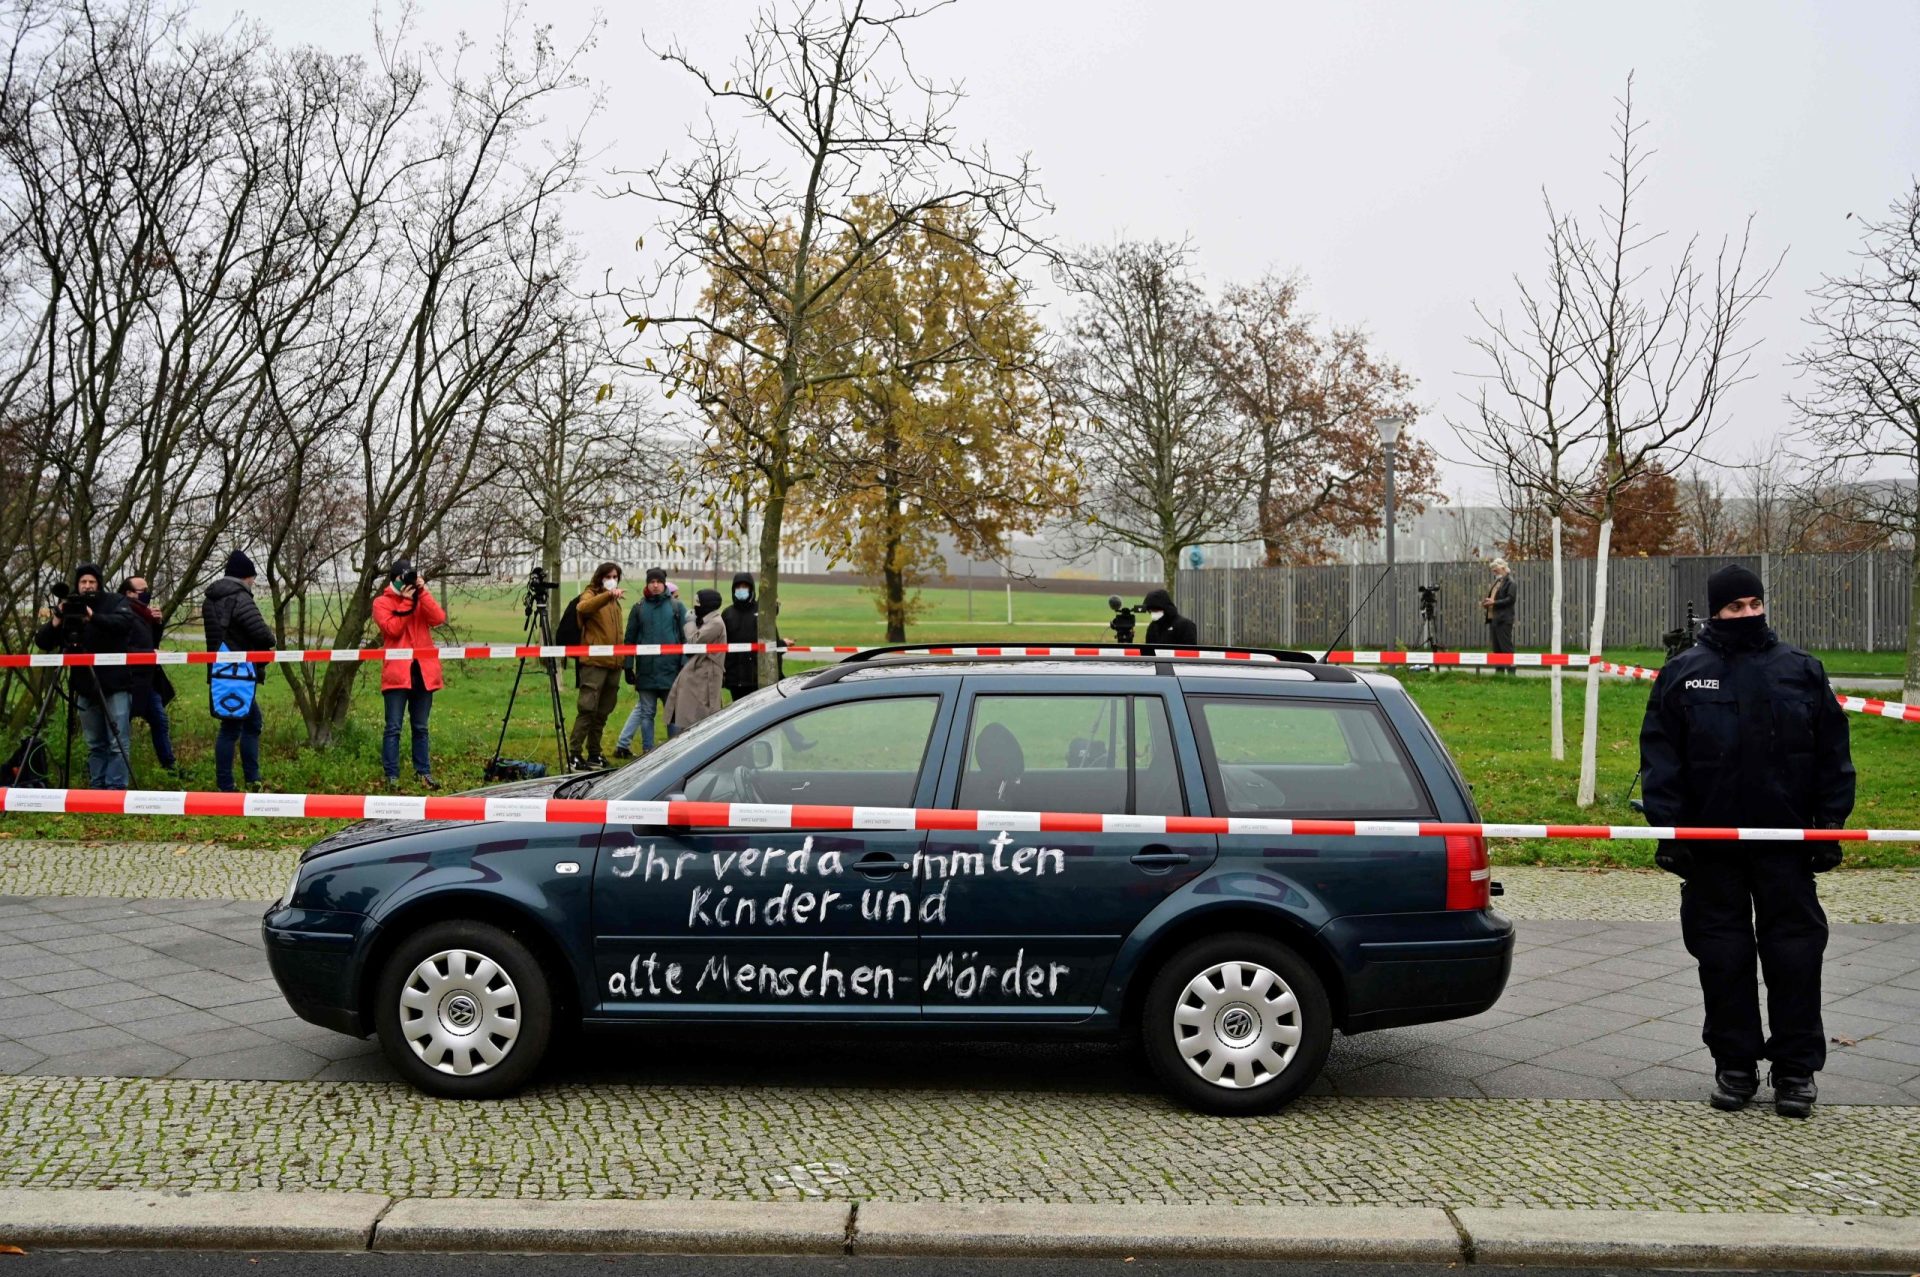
(1237, 1024)
(461, 1012)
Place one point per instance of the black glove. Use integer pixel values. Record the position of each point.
(1674, 857)
(1824, 856)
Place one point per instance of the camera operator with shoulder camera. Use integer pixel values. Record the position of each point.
(91, 620)
(1165, 626)
(406, 612)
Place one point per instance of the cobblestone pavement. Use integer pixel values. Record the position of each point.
(203, 871)
(1595, 1010)
(1031, 1141)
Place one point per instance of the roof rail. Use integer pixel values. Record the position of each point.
(912, 655)
(1088, 651)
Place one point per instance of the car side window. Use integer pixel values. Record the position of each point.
(1071, 753)
(866, 753)
(1269, 756)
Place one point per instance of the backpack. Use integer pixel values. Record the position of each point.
(567, 633)
(231, 688)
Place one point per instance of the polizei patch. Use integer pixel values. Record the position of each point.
(1704, 684)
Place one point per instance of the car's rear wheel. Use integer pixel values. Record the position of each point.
(464, 1010)
(1236, 1024)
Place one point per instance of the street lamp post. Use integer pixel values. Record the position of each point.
(1389, 428)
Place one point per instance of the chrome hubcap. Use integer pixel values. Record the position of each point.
(1237, 1025)
(459, 1012)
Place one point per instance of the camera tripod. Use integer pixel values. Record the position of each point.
(539, 629)
(1429, 628)
(30, 765)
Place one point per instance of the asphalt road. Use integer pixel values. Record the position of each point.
(220, 1264)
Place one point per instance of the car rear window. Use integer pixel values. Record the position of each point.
(1268, 756)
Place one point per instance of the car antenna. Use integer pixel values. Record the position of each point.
(1334, 646)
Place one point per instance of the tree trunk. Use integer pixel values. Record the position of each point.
(768, 586)
(1169, 565)
(896, 594)
(552, 538)
(1590, 730)
(1912, 692)
(1559, 727)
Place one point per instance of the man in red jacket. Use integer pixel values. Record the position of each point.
(406, 614)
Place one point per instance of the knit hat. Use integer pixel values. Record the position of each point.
(1732, 582)
(657, 574)
(92, 570)
(239, 565)
(399, 569)
(707, 601)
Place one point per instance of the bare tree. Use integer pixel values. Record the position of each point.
(1658, 354)
(1709, 522)
(761, 247)
(1165, 466)
(1535, 421)
(1862, 415)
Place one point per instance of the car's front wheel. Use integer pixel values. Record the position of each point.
(1236, 1024)
(464, 1010)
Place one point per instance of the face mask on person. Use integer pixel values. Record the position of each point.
(1154, 616)
(743, 594)
(611, 583)
(1742, 630)
(145, 596)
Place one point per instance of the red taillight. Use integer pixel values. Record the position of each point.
(1469, 878)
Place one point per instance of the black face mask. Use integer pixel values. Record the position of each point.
(145, 596)
(1741, 631)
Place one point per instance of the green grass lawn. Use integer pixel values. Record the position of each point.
(1495, 727)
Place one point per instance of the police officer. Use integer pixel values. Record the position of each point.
(1742, 730)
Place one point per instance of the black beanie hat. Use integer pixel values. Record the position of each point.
(657, 574)
(238, 564)
(1731, 582)
(706, 601)
(92, 570)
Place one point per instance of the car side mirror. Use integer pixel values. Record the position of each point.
(760, 755)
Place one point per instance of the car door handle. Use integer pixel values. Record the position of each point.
(880, 862)
(1161, 858)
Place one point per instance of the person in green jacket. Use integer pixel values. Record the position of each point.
(659, 618)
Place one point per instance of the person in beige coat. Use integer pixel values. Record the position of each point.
(696, 689)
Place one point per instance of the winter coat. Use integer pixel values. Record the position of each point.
(112, 628)
(406, 622)
(1172, 629)
(743, 626)
(696, 692)
(1745, 732)
(154, 628)
(1505, 595)
(656, 619)
(230, 616)
(599, 614)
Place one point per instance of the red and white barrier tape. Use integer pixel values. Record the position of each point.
(512, 651)
(478, 807)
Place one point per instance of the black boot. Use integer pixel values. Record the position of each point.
(1733, 1089)
(1793, 1096)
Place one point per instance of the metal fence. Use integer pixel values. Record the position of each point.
(1855, 602)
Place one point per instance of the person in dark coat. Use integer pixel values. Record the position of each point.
(150, 700)
(232, 620)
(659, 618)
(1502, 598)
(91, 620)
(1165, 626)
(742, 619)
(1743, 730)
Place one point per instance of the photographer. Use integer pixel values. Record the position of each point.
(1165, 626)
(151, 698)
(232, 620)
(406, 613)
(88, 620)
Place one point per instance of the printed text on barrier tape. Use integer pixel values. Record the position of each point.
(478, 807)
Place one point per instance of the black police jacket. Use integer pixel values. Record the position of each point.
(1745, 735)
(1173, 630)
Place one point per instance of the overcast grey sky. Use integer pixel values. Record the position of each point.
(1392, 152)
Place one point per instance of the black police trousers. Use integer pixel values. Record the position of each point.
(1748, 899)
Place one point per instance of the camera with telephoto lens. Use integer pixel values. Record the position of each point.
(1681, 638)
(1122, 622)
(1429, 599)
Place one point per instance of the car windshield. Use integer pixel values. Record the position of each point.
(623, 781)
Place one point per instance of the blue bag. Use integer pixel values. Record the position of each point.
(231, 687)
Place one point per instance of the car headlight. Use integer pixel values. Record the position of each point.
(293, 884)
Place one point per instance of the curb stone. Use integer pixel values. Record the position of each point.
(607, 1226)
(268, 1220)
(1038, 1229)
(253, 1220)
(1674, 1239)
